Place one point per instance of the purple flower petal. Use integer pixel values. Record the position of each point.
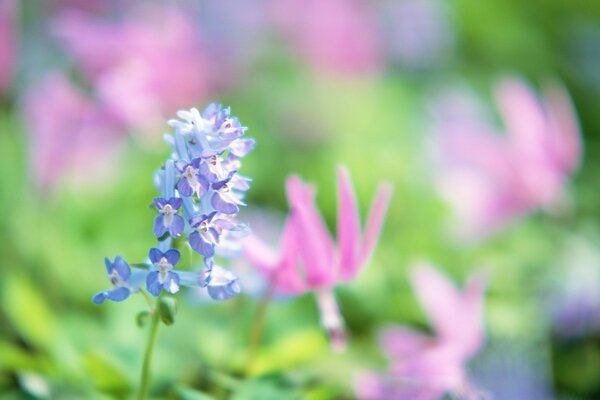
(181, 165)
(184, 188)
(122, 268)
(207, 173)
(171, 284)
(203, 247)
(241, 147)
(196, 162)
(172, 256)
(152, 283)
(160, 203)
(100, 297)
(118, 294)
(175, 202)
(155, 255)
(159, 226)
(177, 226)
(222, 206)
(223, 284)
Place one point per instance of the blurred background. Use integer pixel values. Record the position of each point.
(86, 88)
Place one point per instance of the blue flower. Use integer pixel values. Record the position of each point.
(163, 275)
(224, 199)
(191, 180)
(221, 284)
(205, 235)
(167, 220)
(119, 274)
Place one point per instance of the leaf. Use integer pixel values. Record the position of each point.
(187, 393)
(28, 312)
(265, 389)
(106, 376)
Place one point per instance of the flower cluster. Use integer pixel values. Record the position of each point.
(200, 194)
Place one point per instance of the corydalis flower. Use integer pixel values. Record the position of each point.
(163, 276)
(490, 179)
(427, 367)
(308, 259)
(167, 220)
(119, 274)
(191, 181)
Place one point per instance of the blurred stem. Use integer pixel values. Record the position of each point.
(145, 380)
(259, 323)
(148, 300)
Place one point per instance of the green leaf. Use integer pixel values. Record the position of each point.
(266, 388)
(28, 312)
(105, 375)
(187, 393)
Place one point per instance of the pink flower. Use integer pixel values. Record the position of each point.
(309, 259)
(8, 42)
(333, 35)
(69, 135)
(425, 367)
(143, 67)
(491, 179)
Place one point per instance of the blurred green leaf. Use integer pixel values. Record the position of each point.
(266, 388)
(187, 393)
(106, 376)
(27, 310)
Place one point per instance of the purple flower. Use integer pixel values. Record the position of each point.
(163, 277)
(208, 230)
(205, 235)
(119, 274)
(224, 199)
(168, 220)
(191, 180)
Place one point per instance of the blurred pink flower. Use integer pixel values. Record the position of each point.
(69, 135)
(492, 179)
(427, 367)
(8, 42)
(308, 259)
(335, 35)
(142, 67)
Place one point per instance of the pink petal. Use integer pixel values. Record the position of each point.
(399, 342)
(564, 129)
(316, 245)
(348, 226)
(456, 317)
(375, 220)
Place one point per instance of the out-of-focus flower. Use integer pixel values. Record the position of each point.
(142, 67)
(308, 259)
(8, 42)
(417, 32)
(336, 35)
(68, 133)
(425, 367)
(492, 179)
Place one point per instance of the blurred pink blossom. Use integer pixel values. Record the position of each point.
(8, 42)
(308, 259)
(142, 67)
(68, 134)
(427, 367)
(335, 35)
(491, 179)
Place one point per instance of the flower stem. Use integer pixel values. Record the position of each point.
(145, 379)
(259, 323)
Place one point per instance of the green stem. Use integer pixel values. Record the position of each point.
(145, 380)
(259, 323)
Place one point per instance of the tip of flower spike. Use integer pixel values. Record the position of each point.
(223, 284)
